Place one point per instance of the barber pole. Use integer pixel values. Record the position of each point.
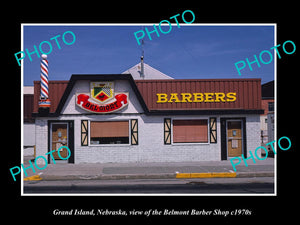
(44, 101)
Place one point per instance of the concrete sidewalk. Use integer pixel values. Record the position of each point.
(163, 170)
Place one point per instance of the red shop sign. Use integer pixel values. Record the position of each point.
(120, 101)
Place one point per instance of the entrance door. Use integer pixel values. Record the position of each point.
(234, 138)
(59, 137)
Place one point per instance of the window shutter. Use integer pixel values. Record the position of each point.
(213, 129)
(84, 132)
(167, 131)
(134, 132)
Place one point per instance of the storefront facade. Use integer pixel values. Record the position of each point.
(113, 118)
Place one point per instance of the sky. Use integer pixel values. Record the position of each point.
(194, 51)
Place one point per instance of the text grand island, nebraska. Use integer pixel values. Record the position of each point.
(81, 212)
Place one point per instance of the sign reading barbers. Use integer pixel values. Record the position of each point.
(102, 98)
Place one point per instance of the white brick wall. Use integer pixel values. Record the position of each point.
(153, 149)
(41, 138)
(151, 146)
(253, 133)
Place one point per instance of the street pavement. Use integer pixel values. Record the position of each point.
(260, 185)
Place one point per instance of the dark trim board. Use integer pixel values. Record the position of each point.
(206, 112)
(224, 136)
(171, 112)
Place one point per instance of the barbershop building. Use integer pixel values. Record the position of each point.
(116, 118)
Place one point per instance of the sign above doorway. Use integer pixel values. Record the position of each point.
(100, 93)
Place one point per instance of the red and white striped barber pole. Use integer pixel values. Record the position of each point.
(44, 97)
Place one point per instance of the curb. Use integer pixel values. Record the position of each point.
(205, 175)
(255, 174)
(35, 177)
(109, 177)
(152, 176)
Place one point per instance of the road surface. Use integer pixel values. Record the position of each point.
(156, 186)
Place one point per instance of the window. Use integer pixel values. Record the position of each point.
(271, 106)
(190, 131)
(109, 132)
